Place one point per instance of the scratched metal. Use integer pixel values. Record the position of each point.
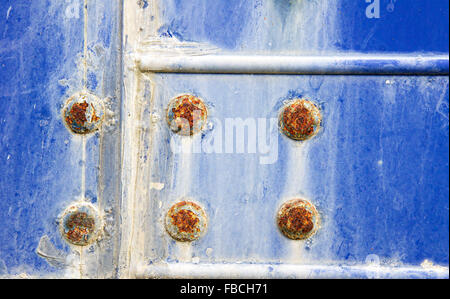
(41, 66)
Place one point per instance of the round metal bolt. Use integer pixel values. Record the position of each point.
(186, 221)
(83, 113)
(80, 224)
(186, 115)
(298, 219)
(300, 119)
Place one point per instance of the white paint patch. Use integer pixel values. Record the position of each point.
(173, 47)
(296, 187)
(156, 186)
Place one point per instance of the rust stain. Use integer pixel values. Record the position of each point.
(79, 227)
(186, 115)
(81, 114)
(298, 219)
(300, 120)
(77, 114)
(186, 221)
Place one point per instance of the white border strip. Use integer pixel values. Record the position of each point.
(268, 271)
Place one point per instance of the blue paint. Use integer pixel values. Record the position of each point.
(416, 26)
(413, 26)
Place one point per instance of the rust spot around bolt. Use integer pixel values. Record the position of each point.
(80, 224)
(300, 119)
(298, 219)
(186, 221)
(186, 115)
(83, 113)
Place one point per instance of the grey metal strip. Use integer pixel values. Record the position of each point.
(345, 64)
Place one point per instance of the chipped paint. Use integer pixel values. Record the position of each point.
(128, 172)
(186, 221)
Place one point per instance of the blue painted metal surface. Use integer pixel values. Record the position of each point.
(378, 172)
(41, 51)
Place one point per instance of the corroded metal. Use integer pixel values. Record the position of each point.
(186, 115)
(83, 113)
(186, 221)
(300, 119)
(298, 219)
(80, 224)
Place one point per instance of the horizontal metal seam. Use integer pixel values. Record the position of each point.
(345, 64)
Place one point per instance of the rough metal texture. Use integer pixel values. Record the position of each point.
(382, 153)
(300, 119)
(298, 219)
(83, 113)
(80, 224)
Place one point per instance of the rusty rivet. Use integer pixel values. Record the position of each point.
(83, 113)
(298, 219)
(300, 119)
(186, 115)
(80, 224)
(186, 221)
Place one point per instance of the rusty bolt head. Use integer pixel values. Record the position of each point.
(83, 113)
(186, 115)
(300, 119)
(186, 221)
(298, 219)
(80, 224)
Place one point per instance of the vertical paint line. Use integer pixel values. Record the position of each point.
(85, 44)
(83, 166)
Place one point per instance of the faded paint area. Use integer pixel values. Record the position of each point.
(377, 171)
(300, 120)
(365, 120)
